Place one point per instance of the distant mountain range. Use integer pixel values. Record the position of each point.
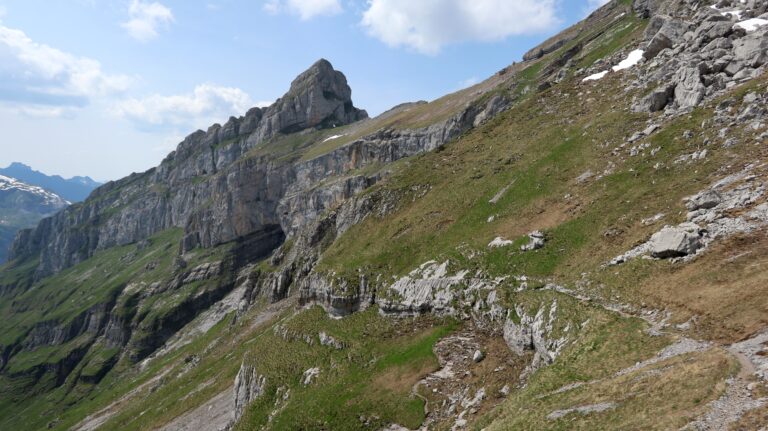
(26, 196)
(21, 206)
(74, 189)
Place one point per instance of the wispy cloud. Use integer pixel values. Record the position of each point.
(35, 77)
(305, 9)
(428, 25)
(206, 104)
(146, 20)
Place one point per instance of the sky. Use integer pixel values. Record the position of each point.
(105, 88)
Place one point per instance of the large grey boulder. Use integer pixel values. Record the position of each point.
(752, 50)
(668, 28)
(709, 31)
(705, 200)
(677, 241)
(656, 100)
(690, 90)
(658, 43)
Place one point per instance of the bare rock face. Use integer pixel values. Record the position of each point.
(690, 90)
(645, 8)
(695, 52)
(206, 186)
(534, 334)
(213, 189)
(318, 97)
(249, 385)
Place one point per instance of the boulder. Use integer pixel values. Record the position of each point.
(751, 49)
(659, 43)
(709, 31)
(705, 200)
(677, 241)
(689, 90)
(656, 100)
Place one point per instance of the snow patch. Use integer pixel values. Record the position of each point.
(12, 184)
(632, 59)
(331, 138)
(595, 77)
(752, 24)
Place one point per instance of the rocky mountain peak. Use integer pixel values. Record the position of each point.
(319, 97)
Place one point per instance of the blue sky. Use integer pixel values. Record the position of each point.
(108, 87)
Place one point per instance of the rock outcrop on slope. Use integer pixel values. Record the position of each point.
(249, 385)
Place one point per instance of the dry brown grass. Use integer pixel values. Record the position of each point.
(664, 396)
(726, 289)
(401, 379)
(752, 420)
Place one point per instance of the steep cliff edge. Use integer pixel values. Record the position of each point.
(243, 177)
(209, 177)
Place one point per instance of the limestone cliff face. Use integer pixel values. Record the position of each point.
(207, 186)
(218, 190)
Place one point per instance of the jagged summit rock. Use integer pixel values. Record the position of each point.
(319, 97)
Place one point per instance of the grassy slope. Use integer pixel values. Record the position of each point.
(537, 150)
(370, 378)
(346, 388)
(102, 279)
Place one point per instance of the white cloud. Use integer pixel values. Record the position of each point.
(37, 78)
(147, 19)
(428, 25)
(205, 105)
(46, 111)
(305, 9)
